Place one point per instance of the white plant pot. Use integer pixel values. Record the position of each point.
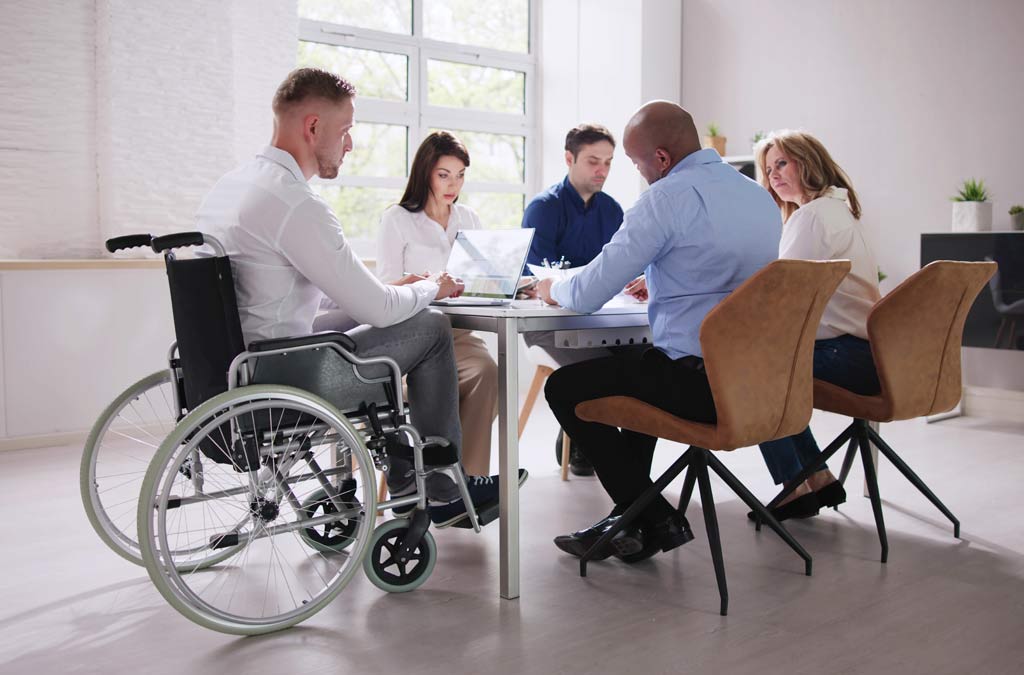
(972, 216)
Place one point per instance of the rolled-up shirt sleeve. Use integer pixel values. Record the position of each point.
(312, 240)
(640, 240)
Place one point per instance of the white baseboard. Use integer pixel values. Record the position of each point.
(999, 404)
(44, 440)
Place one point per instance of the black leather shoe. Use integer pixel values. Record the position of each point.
(831, 495)
(664, 536)
(579, 465)
(804, 506)
(578, 543)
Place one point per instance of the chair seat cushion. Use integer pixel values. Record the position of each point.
(626, 412)
(833, 398)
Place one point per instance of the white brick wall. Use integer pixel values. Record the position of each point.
(118, 115)
(47, 117)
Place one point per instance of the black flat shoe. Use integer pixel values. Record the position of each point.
(578, 543)
(670, 533)
(579, 465)
(804, 506)
(831, 495)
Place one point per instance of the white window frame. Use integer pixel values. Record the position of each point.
(416, 113)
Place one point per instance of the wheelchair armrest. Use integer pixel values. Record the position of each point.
(342, 340)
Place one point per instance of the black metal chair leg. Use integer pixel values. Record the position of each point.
(872, 480)
(750, 500)
(687, 492)
(915, 480)
(707, 502)
(851, 452)
(639, 505)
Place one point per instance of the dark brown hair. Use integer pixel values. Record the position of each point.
(304, 83)
(434, 147)
(586, 134)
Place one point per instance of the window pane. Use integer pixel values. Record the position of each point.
(498, 25)
(378, 150)
(497, 210)
(458, 85)
(393, 16)
(497, 158)
(358, 208)
(375, 74)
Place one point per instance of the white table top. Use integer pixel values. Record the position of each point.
(620, 304)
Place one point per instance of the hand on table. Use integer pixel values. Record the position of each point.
(637, 288)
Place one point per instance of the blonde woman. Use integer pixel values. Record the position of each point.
(414, 239)
(821, 221)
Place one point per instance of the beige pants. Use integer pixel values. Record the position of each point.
(478, 400)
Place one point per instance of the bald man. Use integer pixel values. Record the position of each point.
(699, 232)
(288, 253)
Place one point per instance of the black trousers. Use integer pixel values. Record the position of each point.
(622, 458)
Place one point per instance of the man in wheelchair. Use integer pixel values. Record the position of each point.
(288, 252)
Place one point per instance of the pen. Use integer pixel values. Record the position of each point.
(546, 263)
(561, 263)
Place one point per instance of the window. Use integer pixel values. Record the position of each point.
(418, 66)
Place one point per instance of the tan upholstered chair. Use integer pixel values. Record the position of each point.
(758, 346)
(915, 333)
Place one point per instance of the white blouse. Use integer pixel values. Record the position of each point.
(414, 243)
(824, 229)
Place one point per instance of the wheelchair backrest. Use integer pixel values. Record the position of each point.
(206, 323)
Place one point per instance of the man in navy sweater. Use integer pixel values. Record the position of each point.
(572, 221)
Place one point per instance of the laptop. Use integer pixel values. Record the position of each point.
(489, 262)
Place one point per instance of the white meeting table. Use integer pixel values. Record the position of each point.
(507, 322)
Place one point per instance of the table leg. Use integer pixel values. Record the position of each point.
(508, 456)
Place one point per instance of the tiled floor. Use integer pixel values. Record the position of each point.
(940, 605)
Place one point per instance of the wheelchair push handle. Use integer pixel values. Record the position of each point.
(128, 241)
(183, 239)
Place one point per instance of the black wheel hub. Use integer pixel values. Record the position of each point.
(264, 509)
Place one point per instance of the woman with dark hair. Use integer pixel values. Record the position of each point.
(414, 239)
(821, 221)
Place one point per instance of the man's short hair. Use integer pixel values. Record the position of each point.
(305, 83)
(586, 134)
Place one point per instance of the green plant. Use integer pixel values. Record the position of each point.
(713, 129)
(882, 276)
(972, 191)
(758, 135)
(1015, 209)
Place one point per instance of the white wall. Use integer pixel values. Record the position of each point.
(599, 61)
(118, 115)
(911, 97)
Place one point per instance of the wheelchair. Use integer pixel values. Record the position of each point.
(252, 498)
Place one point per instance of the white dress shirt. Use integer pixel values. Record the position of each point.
(287, 250)
(824, 229)
(415, 243)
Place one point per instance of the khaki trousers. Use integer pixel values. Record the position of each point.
(478, 400)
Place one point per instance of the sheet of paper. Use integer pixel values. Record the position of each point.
(542, 272)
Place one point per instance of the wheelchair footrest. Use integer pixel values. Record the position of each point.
(487, 513)
(226, 540)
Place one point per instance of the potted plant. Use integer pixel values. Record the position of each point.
(972, 212)
(1017, 217)
(713, 140)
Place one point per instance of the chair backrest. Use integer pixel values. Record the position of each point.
(995, 288)
(916, 331)
(206, 323)
(758, 348)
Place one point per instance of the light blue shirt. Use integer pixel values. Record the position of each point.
(699, 232)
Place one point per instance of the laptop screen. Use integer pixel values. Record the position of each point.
(489, 262)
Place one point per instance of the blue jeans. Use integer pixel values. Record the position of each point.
(844, 361)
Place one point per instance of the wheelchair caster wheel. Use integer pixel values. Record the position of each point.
(333, 536)
(381, 563)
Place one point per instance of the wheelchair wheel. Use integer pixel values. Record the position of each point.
(281, 450)
(120, 446)
(332, 536)
(383, 568)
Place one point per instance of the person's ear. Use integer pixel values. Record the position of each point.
(310, 127)
(664, 159)
(568, 158)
